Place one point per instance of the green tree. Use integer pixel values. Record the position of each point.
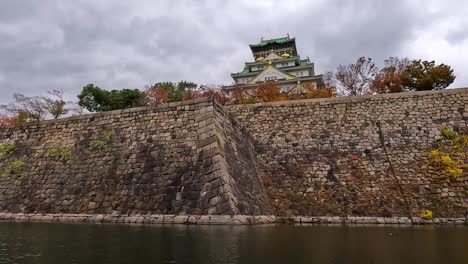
(426, 75)
(96, 99)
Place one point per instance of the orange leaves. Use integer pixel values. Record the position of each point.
(191, 94)
(156, 95)
(390, 78)
(269, 92)
(204, 91)
(216, 94)
(324, 92)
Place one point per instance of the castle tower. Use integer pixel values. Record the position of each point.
(276, 60)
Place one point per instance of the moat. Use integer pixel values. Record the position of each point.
(89, 243)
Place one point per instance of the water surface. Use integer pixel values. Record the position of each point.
(100, 244)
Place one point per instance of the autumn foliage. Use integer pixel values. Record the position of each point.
(426, 75)
(215, 93)
(156, 95)
(269, 92)
(390, 78)
(13, 122)
(7, 122)
(397, 75)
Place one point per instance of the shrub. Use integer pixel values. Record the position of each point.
(426, 214)
(450, 148)
(447, 133)
(14, 167)
(58, 152)
(103, 142)
(6, 149)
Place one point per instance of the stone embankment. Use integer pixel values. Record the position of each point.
(224, 219)
(358, 159)
(141, 219)
(361, 156)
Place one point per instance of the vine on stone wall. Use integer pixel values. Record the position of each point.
(449, 154)
(6, 149)
(15, 166)
(105, 140)
(61, 152)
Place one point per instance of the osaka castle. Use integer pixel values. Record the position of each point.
(276, 60)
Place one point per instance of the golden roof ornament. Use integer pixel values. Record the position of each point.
(270, 62)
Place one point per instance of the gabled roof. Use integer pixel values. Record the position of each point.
(272, 56)
(270, 70)
(317, 78)
(303, 64)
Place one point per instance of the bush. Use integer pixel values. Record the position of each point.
(450, 148)
(58, 152)
(6, 149)
(426, 214)
(102, 143)
(14, 167)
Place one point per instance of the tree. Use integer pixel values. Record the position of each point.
(327, 86)
(32, 108)
(325, 91)
(269, 92)
(156, 95)
(96, 99)
(190, 94)
(355, 79)
(239, 95)
(426, 75)
(181, 88)
(56, 106)
(215, 93)
(390, 78)
(176, 90)
(92, 97)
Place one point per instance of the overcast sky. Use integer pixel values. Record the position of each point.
(66, 44)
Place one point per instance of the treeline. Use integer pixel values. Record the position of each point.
(397, 75)
(95, 99)
(359, 78)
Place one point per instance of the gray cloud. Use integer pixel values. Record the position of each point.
(52, 44)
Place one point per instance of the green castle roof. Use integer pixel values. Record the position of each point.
(265, 42)
(302, 64)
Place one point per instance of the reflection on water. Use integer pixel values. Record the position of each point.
(83, 243)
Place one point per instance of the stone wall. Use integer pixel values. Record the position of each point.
(327, 156)
(151, 160)
(239, 159)
(358, 156)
